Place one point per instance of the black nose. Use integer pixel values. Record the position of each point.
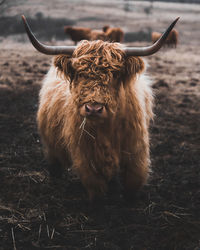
(94, 109)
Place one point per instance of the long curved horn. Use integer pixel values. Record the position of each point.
(147, 51)
(45, 49)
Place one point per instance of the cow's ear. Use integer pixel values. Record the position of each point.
(63, 64)
(134, 65)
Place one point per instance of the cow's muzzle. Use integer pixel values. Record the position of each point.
(93, 110)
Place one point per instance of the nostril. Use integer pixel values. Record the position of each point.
(99, 109)
(93, 109)
(88, 109)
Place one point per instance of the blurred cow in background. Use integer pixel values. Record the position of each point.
(97, 35)
(171, 41)
(108, 34)
(78, 33)
(155, 36)
(113, 34)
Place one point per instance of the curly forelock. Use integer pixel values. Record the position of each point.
(99, 60)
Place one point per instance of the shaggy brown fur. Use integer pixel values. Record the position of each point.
(98, 149)
(78, 33)
(171, 41)
(113, 34)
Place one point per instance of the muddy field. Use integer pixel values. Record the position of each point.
(38, 214)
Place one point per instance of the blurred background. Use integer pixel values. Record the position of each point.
(137, 18)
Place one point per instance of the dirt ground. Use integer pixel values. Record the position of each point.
(38, 214)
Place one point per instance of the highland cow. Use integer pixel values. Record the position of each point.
(155, 36)
(78, 33)
(171, 41)
(97, 35)
(94, 112)
(113, 34)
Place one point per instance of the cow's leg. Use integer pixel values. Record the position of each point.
(135, 174)
(95, 184)
(135, 178)
(55, 167)
(57, 161)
